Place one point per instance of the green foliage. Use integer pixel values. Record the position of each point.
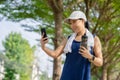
(19, 10)
(9, 74)
(20, 55)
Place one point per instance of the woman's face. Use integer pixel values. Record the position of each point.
(77, 25)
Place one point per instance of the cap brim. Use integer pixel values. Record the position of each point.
(67, 20)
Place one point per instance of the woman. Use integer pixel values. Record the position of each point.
(78, 58)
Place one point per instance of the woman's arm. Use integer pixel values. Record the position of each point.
(52, 53)
(98, 59)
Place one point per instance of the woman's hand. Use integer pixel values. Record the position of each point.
(85, 52)
(43, 41)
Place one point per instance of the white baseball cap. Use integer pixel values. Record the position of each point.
(76, 15)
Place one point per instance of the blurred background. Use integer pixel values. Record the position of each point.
(21, 56)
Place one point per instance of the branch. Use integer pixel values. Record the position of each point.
(72, 3)
(102, 11)
(118, 77)
(56, 5)
(114, 48)
(111, 59)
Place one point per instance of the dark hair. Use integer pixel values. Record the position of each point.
(87, 25)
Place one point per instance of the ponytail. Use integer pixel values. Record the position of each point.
(87, 25)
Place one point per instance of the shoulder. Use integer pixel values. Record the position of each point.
(97, 42)
(96, 39)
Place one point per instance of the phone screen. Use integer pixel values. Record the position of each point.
(43, 31)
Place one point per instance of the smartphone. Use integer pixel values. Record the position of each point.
(43, 31)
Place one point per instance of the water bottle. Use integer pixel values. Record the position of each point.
(84, 41)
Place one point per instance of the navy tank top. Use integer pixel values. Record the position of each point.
(76, 67)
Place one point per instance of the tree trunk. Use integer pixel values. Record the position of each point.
(109, 76)
(58, 38)
(104, 73)
(57, 8)
(57, 69)
(118, 77)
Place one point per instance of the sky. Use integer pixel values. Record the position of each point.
(7, 27)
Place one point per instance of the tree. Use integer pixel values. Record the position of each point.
(20, 56)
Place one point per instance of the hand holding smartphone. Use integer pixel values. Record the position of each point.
(43, 32)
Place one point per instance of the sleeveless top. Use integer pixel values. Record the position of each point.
(76, 67)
